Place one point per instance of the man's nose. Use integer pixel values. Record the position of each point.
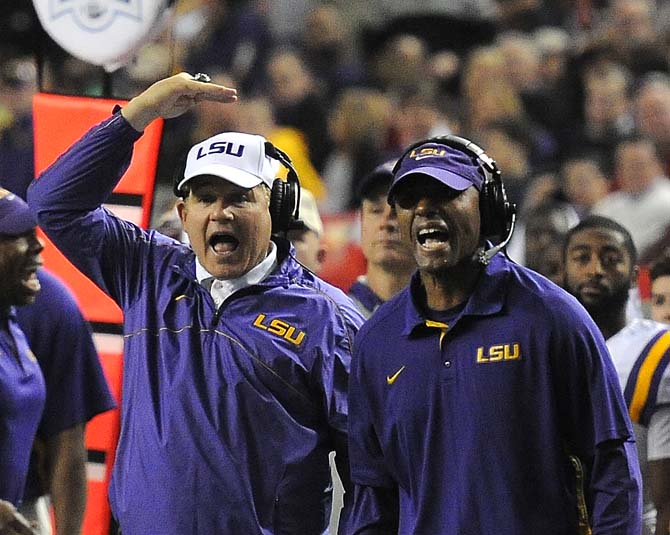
(389, 218)
(426, 205)
(36, 244)
(595, 266)
(221, 211)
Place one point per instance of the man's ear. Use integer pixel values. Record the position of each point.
(180, 205)
(321, 254)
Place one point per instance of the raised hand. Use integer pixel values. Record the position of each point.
(171, 97)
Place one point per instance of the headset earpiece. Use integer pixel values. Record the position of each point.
(285, 196)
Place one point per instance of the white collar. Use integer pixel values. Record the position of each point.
(221, 289)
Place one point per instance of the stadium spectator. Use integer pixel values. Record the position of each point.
(659, 273)
(641, 202)
(652, 112)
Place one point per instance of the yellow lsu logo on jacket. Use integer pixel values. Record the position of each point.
(498, 353)
(279, 328)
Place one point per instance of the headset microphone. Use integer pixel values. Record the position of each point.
(484, 256)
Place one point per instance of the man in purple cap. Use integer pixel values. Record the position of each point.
(236, 358)
(22, 390)
(482, 398)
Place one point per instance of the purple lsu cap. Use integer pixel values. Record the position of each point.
(452, 167)
(15, 215)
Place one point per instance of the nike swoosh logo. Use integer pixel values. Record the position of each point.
(423, 156)
(391, 379)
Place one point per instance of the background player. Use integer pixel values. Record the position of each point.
(389, 263)
(600, 269)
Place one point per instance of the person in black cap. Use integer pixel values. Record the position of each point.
(482, 398)
(22, 390)
(389, 263)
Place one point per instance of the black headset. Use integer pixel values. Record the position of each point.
(284, 198)
(497, 213)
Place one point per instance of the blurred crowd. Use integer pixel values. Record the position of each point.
(570, 97)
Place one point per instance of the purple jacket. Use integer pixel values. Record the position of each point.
(227, 416)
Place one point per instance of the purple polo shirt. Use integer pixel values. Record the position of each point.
(471, 421)
(60, 337)
(21, 401)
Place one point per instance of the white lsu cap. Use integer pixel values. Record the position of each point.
(235, 157)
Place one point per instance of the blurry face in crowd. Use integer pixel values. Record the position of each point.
(660, 299)
(308, 248)
(598, 269)
(637, 164)
(652, 111)
(584, 183)
(19, 261)
(440, 225)
(380, 237)
(228, 227)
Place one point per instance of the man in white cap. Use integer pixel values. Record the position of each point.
(236, 358)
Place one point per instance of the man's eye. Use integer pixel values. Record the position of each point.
(406, 199)
(657, 300)
(611, 260)
(238, 198)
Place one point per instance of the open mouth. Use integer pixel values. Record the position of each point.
(30, 281)
(432, 238)
(222, 243)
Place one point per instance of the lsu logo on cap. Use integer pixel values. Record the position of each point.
(427, 152)
(220, 147)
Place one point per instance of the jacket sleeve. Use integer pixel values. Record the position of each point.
(67, 200)
(596, 425)
(332, 376)
(616, 489)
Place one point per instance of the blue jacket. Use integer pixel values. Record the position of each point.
(228, 415)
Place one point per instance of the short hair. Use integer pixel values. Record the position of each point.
(601, 222)
(660, 267)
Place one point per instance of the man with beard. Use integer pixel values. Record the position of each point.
(600, 268)
(482, 398)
